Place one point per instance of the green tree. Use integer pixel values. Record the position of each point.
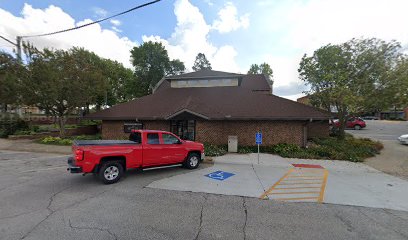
(352, 77)
(61, 82)
(11, 73)
(152, 63)
(176, 67)
(201, 63)
(397, 90)
(121, 83)
(372, 64)
(263, 68)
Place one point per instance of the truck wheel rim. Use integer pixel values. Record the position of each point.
(111, 173)
(193, 161)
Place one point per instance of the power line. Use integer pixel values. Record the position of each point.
(91, 23)
(9, 41)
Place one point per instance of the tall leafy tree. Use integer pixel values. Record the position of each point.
(11, 73)
(263, 68)
(397, 90)
(61, 82)
(201, 63)
(121, 83)
(352, 77)
(176, 67)
(152, 63)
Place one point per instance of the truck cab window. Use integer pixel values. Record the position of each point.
(169, 139)
(153, 138)
(136, 137)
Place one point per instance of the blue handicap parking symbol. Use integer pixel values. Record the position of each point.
(219, 175)
(258, 138)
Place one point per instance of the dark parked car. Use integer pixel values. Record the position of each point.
(370, 118)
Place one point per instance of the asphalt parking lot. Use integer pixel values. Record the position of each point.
(382, 130)
(394, 157)
(40, 200)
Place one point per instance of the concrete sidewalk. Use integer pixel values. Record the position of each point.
(31, 146)
(276, 178)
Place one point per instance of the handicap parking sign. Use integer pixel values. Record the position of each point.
(258, 138)
(219, 175)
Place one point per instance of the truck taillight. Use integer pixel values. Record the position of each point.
(79, 155)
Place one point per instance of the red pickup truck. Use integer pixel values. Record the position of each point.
(109, 159)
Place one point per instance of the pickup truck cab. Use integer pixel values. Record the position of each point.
(109, 159)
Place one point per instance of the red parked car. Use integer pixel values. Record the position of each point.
(109, 159)
(355, 123)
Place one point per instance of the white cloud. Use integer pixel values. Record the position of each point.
(100, 12)
(115, 22)
(190, 37)
(116, 29)
(297, 27)
(93, 38)
(229, 21)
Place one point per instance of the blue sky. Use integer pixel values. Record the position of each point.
(232, 34)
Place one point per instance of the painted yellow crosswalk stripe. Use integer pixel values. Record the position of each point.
(299, 184)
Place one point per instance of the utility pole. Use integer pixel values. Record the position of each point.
(18, 46)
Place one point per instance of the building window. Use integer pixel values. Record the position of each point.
(184, 129)
(128, 127)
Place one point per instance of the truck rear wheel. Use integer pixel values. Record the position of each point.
(110, 172)
(192, 161)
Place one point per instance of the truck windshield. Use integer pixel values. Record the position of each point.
(135, 137)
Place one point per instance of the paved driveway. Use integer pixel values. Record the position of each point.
(39, 200)
(382, 130)
(283, 179)
(394, 157)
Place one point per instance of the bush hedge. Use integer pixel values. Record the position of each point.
(350, 149)
(10, 123)
(67, 141)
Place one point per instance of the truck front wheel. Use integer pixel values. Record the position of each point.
(192, 161)
(110, 172)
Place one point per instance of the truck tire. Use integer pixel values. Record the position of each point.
(110, 172)
(192, 161)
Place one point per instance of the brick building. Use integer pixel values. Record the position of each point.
(208, 106)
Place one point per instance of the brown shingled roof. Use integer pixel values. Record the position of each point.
(243, 102)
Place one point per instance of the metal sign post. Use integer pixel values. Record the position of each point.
(258, 140)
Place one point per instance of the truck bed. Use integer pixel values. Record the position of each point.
(103, 142)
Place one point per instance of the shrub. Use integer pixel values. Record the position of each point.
(214, 150)
(56, 141)
(67, 141)
(349, 149)
(22, 132)
(9, 124)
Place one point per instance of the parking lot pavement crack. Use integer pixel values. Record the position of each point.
(346, 222)
(386, 226)
(201, 217)
(93, 228)
(246, 216)
(259, 180)
(48, 208)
